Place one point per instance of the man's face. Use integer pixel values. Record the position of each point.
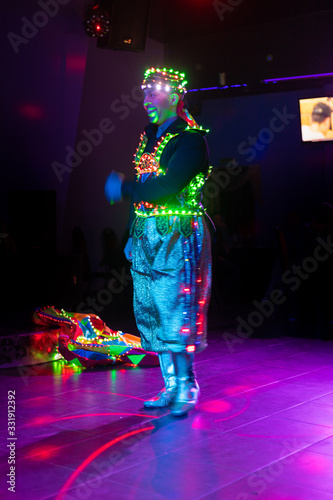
(159, 105)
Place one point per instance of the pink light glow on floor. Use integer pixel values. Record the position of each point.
(94, 455)
(218, 406)
(47, 420)
(117, 394)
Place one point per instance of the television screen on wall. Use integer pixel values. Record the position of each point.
(316, 119)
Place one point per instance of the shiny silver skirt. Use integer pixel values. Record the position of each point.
(172, 284)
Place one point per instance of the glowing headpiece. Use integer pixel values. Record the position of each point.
(164, 79)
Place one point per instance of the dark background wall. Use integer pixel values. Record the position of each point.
(59, 86)
(42, 81)
(271, 47)
(294, 176)
(111, 91)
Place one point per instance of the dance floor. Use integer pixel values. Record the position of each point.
(263, 428)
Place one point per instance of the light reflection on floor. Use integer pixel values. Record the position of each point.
(85, 432)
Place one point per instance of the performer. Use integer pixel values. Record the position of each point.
(170, 243)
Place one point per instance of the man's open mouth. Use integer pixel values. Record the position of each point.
(151, 111)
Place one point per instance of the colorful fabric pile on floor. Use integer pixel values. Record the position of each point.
(86, 340)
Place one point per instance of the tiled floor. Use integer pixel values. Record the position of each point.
(263, 429)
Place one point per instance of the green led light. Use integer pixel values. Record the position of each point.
(170, 78)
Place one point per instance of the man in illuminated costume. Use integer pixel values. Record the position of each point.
(169, 244)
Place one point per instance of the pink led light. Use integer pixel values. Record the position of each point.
(190, 348)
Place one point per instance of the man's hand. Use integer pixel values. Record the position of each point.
(113, 187)
(128, 250)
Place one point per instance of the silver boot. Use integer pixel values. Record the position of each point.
(187, 387)
(165, 397)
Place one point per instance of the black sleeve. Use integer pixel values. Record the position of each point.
(189, 158)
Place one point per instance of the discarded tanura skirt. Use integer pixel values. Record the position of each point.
(86, 340)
